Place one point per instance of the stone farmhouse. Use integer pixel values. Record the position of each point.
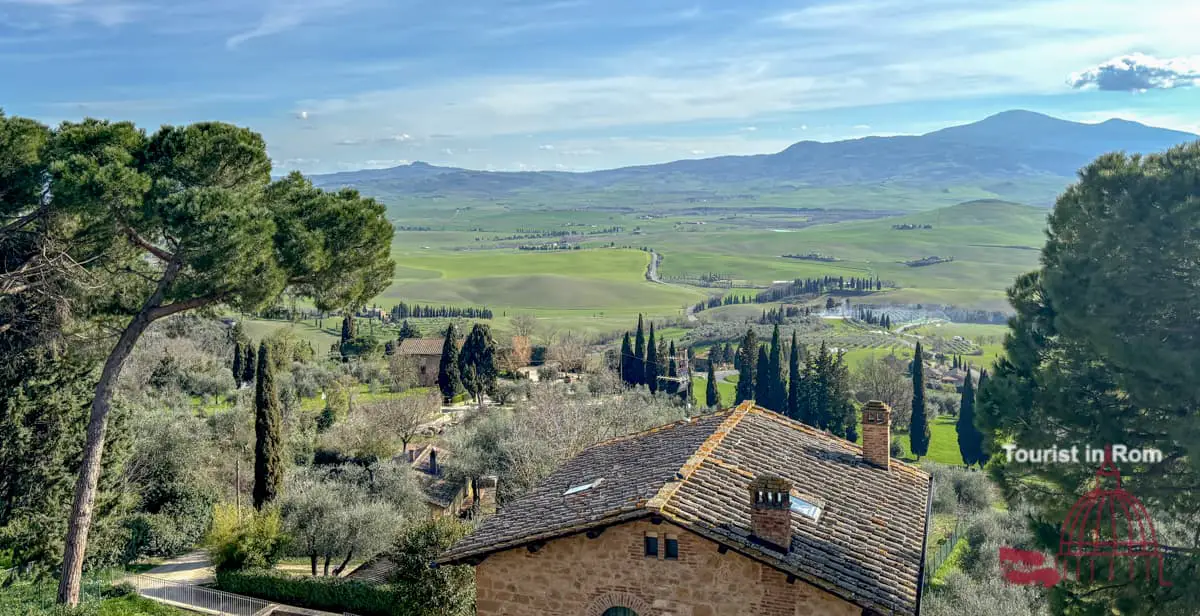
(740, 512)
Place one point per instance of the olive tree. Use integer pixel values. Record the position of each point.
(189, 218)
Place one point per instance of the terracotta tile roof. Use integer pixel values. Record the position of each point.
(866, 546)
(421, 346)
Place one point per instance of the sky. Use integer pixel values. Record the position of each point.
(336, 85)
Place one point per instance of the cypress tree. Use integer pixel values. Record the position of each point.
(981, 448)
(651, 363)
(821, 388)
(238, 358)
(627, 374)
(248, 364)
(762, 384)
(966, 422)
(919, 431)
(449, 380)
(407, 331)
(712, 397)
(794, 384)
(477, 361)
(347, 329)
(842, 418)
(672, 371)
(268, 428)
(746, 356)
(639, 354)
(777, 392)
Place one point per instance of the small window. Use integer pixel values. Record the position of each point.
(672, 552)
(575, 489)
(805, 508)
(651, 544)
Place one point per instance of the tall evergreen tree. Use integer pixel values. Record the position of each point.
(449, 379)
(919, 434)
(638, 369)
(347, 328)
(627, 365)
(672, 371)
(762, 373)
(795, 385)
(970, 439)
(407, 331)
(821, 387)
(477, 362)
(777, 393)
(238, 358)
(843, 421)
(712, 396)
(747, 355)
(268, 433)
(249, 364)
(651, 364)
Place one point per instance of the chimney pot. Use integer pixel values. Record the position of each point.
(877, 434)
(485, 494)
(771, 511)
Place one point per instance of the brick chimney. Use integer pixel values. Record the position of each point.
(877, 433)
(485, 494)
(771, 511)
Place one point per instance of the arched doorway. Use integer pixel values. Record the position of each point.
(619, 611)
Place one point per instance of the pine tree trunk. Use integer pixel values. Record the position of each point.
(312, 558)
(80, 523)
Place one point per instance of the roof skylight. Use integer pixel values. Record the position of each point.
(805, 508)
(575, 489)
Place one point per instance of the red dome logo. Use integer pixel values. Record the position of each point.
(1107, 533)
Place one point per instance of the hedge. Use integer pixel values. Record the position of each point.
(318, 593)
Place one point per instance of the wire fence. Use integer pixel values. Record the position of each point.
(934, 562)
(200, 597)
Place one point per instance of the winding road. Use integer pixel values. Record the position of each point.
(652, 276)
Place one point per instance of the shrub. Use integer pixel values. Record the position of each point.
(957, 489)
(255, 542)
(897, 449)
(329, 594)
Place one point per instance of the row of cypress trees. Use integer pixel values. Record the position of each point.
(814, 390)
(472, 368)
(642, 362)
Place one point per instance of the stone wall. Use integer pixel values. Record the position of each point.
(578, 576)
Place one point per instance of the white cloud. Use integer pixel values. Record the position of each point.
(301, 115)
(283, 15)
(749, 129)
(696, 152)
(861, 127)
(1139, 72)
(547, 147)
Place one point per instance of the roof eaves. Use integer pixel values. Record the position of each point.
(455, 558)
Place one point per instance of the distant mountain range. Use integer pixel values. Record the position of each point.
(1019, 155)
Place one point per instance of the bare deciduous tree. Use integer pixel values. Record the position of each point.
(882, 378)
(569, 349)
(401, 417)
(524, 324)
(402, 373)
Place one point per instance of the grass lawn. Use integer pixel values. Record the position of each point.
(943, 442)
(134, 605)
(727, 390)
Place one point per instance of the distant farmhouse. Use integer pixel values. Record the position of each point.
(735, 513)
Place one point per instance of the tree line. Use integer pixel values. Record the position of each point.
(646, 361)
(810, 387)
(403, 311)
(817, 286)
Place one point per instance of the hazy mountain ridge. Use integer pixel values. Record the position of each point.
(1005, 154)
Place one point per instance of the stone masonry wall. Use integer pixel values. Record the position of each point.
(577, 576)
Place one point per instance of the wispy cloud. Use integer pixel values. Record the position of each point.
(1139, 72)
(283, 15)
(44, 13)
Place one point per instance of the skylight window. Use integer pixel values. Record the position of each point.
(575, 489)
(805, 508)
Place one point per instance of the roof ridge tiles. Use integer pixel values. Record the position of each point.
(706, 448)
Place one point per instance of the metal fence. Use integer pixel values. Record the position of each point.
(935, 561)
(199, 597)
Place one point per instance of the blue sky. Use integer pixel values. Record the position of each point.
(586, 84)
